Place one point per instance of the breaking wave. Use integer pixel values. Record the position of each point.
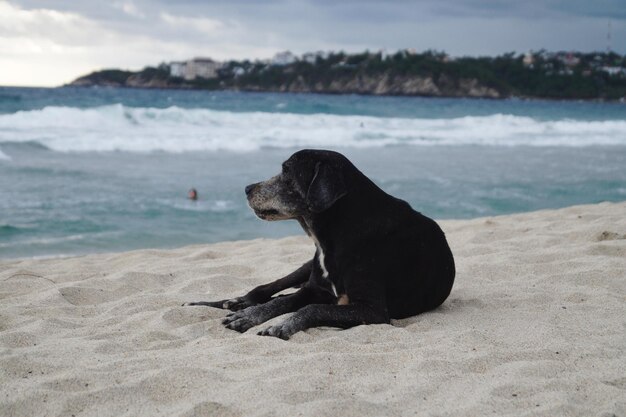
(174, 129)
(4, 157)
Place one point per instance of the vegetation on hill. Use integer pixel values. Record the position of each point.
(540, 74)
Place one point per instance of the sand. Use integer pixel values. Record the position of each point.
(535, 325)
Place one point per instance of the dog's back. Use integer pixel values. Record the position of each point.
(401, 247)
(413, 257)
(423, 268)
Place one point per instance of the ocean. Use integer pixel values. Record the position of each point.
(86, 170)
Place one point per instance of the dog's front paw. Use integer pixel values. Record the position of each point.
(283, 330)
(233, 304)
(238, 303)
(243, 320)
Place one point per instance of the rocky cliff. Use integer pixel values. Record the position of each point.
(387, 84)
(384, 84)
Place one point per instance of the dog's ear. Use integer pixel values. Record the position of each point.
(326, 188)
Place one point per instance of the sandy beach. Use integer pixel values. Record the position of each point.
(535, 325)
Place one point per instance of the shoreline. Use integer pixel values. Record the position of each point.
(247, 91)
(234, 90)
(534, 325)
(442, 222)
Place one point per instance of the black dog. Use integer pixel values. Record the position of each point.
(376, 257)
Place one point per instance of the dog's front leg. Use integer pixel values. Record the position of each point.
(262, 293)
(314, 315)
(255, 315)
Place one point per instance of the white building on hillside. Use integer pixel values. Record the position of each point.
(195, 68)
(177, 69)
(311, 57)
(529, 59)
(238, 71)
(614, 70)
(202, 68)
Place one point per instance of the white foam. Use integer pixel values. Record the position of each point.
(174, 129)
(4, 157)
(45, 241)
(48, 241)
(217, 206)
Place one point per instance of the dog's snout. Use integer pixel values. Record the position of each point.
(250, 187)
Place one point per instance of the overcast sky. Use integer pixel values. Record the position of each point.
(51, 42)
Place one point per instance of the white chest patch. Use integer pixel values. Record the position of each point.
(320, 258)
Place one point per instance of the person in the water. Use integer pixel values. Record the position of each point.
(192, 194)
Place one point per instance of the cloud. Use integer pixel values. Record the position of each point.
(52, 45)
(40, 24)
(44, 47)
(129, 8)
(202, 25)
(49, 47)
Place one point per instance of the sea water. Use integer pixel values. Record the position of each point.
(87, 170)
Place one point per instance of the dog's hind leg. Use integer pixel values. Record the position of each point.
(314, 315)
(262, 293)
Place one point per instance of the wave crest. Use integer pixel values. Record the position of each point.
(4, 157)
(174, 129)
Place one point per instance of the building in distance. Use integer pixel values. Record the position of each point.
(195, 68)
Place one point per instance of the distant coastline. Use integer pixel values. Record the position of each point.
(544, 75)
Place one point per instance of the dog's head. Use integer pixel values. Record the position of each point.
(311, 181)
